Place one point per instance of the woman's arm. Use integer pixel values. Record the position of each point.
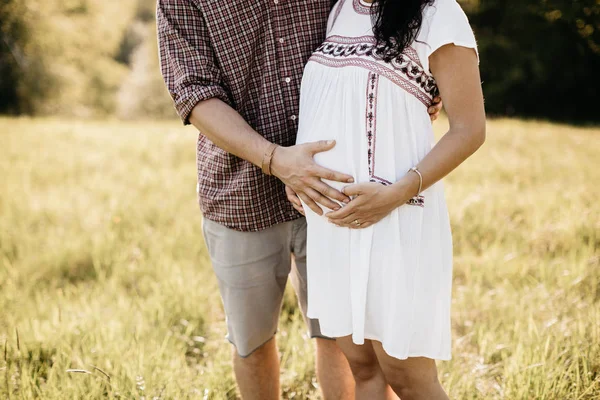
(456, 71)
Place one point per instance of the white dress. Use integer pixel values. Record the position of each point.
(390, 282)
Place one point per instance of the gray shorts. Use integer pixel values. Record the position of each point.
(252, 269)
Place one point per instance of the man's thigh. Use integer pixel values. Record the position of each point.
(252, 270)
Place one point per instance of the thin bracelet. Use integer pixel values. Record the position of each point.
(267, 158)
(415, 169)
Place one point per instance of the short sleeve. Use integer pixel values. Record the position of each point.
(444, 23)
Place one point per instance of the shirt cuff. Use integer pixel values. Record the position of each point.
(193, 95)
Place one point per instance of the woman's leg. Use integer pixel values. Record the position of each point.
(412, 379)
(369, 378)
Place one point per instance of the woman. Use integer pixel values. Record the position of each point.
(380, 267)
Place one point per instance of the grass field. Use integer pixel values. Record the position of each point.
(106, 290)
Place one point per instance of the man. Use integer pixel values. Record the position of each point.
(234, 69)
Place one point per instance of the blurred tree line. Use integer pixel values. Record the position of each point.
(84, 58)
(539, 58)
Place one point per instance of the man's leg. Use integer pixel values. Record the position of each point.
(258, 374)
(333, 372)
(252, 269)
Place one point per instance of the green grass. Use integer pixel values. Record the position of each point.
(103, 268)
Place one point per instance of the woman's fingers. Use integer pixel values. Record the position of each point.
(342, 212)
(351, 221)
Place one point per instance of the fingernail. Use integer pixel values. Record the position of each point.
(351, 180)
(346, 201)
(330, 142)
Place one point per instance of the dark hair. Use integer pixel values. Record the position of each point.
(396, 23)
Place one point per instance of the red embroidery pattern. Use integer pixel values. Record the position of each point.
(405, 70)
(371, 129)
(349, 40)
(412, 54)
(360, 8)
(417, 201)
(378, 69)
(371, 122)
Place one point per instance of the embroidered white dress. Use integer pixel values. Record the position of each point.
(390, 282)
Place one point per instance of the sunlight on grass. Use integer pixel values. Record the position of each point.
(105, 280)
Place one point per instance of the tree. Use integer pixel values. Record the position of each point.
(539, 58)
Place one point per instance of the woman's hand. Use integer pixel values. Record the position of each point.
(371, 202)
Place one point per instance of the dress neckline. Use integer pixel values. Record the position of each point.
(362, 7)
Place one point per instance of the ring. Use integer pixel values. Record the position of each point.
(356, 222)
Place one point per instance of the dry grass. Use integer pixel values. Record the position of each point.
(104, 275)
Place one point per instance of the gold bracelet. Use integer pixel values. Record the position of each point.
(268, 157)
(415, 169)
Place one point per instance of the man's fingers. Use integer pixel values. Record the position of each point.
(299, 209)
(436, 107)
(320, 199)
(311, 204)
(331, 175)
(292, 196)
(330, 192)
(320, 146)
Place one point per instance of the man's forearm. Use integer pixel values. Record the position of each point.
(226, 128)
(294, 166)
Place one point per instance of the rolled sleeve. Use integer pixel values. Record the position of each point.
(187, 60)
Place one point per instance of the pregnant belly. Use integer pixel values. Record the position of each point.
(340, 158)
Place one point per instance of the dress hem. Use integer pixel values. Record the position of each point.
(446, 357)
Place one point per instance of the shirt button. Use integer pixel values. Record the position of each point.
(293, 117)
(276, 1)
(281, 40)
(288, 80)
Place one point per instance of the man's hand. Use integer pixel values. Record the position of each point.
(436, 107)
(294, 199)
(296, 167)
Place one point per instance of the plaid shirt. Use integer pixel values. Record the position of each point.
(250, 54)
